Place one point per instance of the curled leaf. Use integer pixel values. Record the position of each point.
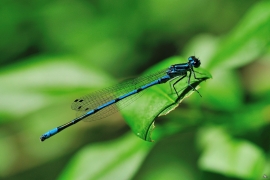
(159, 100)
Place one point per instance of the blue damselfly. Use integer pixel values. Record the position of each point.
(107, 101)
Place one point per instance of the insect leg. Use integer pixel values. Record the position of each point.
(177, 82)
(190, 72)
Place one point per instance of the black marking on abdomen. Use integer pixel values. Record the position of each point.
(139, 90)
(95, 110)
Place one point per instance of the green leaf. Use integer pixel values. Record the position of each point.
(224, 92)
(39, 80)
(247, 41)
(118, 159)
(249, 118)
(159, 100)
(224, 155)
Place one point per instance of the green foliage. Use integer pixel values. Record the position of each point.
(158, 100)
(118, 156)
(235, 158)
(55, 52)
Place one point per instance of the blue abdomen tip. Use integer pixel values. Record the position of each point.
(49, 134)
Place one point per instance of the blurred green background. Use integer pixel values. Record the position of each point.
(53, 52)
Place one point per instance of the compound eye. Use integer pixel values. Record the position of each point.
(196, 63)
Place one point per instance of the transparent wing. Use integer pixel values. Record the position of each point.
(98, 98)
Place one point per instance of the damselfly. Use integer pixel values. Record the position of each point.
(107, 101)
